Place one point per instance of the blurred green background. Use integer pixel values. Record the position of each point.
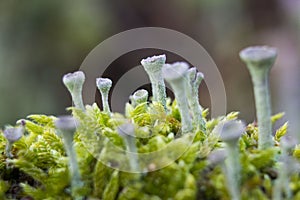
(42, 40)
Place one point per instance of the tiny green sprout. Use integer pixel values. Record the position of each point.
(195, 78)
(66, 126)
(13, 134)
(139, 97)
(176, 75)
(74, 83)
(104, 85)
(259, 60)
(153, 66)
(230, 132)
(126, 131)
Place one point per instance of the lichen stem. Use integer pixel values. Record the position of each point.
(259, 61)
(139, 97)
(176, 75)
(74, 83)
(153, 66)
(287, 166)
(230, 132)
(13, 134)
(104, 85)
(66, 126)
(8, 149)
(233, 171)
(193, 98)
(74, 169)
(126, 131)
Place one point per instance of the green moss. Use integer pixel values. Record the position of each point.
(41, 156)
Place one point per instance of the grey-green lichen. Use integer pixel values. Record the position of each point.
(230, 132)
(259, 60)
(127, 132)
(139, 97)
(176, 75)
(74, 83)
(12, 134)
(66, 127)
(226, 165)
(104, 85)
(153, 66)
(194, 80)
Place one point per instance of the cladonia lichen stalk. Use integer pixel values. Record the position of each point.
(153, 66)
(66, 126)
(139, 97)
(104, 85)
(259, 60)
(74, 83)
(176, 75)
(287, 167)
(194, 80)
(126, 131)
(13, 134)
(230, 132)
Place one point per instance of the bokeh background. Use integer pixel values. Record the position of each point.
(42, 40)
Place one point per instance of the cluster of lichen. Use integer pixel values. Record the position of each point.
(76, 157)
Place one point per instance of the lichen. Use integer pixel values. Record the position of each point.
(39, 167)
